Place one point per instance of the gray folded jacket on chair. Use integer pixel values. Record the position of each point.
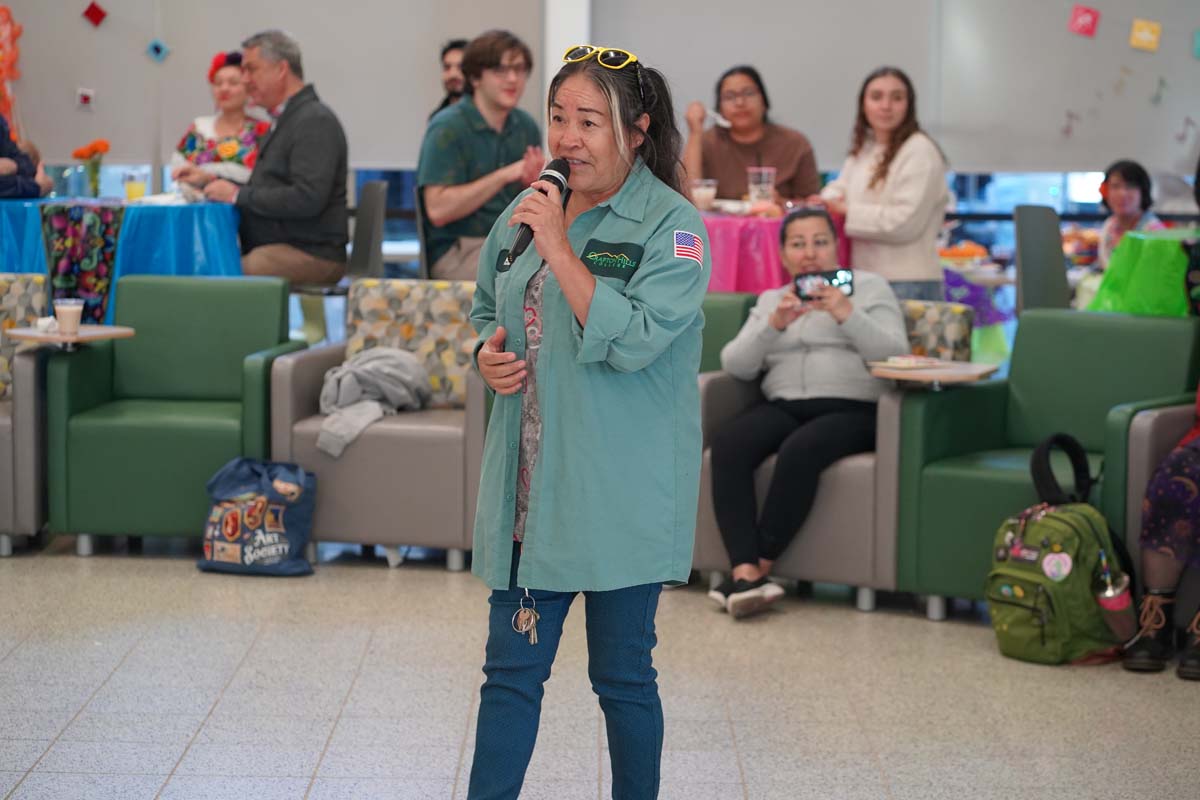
(375, 382)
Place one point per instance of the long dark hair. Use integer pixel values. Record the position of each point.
(908, 126)
(623, 89)
(751, 73)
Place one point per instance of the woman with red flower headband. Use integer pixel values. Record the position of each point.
(224, 145)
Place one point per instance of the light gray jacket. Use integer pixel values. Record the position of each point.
(815, 356)
(375, 382)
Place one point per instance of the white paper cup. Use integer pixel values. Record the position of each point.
(69, 312)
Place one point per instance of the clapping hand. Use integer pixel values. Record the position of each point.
(527, 170)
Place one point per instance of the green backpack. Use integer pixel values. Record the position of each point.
(1048, 564)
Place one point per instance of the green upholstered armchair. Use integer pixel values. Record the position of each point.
(23, 298)
(850, 535)
(724, 313)
(964, 455)
(136, 427)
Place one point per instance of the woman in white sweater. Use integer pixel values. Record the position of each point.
(811, 353)
(892, 189)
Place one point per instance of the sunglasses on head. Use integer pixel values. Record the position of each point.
(609, 57)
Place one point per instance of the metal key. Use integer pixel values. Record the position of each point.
(525, 619)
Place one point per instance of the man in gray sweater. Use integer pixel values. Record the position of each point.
(294, 219)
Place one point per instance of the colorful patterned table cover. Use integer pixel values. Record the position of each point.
(85, 246)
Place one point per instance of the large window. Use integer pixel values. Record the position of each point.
(71, 181)
(400, 197)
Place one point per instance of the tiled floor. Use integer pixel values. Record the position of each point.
(135, 676)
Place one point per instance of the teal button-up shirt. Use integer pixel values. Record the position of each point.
(613, 496)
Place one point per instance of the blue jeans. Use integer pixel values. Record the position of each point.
(919, 290)
(620, 636)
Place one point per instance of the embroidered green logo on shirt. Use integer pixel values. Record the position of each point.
(608, 260)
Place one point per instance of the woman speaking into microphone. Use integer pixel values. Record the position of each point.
(590, 340)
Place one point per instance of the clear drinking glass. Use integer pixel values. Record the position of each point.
(761, 181)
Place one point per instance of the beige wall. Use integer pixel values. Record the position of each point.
(994, 78)
(375, 62)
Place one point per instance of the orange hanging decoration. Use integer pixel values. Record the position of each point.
(10, 31)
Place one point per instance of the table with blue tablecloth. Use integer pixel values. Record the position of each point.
(86, 246)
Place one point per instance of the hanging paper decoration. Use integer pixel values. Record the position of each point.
(1084, 21)
(1145, 34)
(158, 50)
(1157, 97)
(94, 14)
(10, 31)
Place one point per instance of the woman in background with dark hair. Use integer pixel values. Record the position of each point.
(752, 140)
(1126, 193)
(892, 189)
(225, 144)
(591, 463)
(820, 403)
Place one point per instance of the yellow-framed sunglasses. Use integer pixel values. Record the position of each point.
(610, 57)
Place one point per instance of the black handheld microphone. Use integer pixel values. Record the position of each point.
(557, 172)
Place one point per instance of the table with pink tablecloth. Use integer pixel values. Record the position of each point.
(745, 253)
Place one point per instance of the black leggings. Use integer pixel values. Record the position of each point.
(808, 435)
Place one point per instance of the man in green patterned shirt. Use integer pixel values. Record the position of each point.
(477, 155)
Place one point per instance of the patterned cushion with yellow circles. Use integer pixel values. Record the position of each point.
(431, 319)
(22, 301)
(939, 329)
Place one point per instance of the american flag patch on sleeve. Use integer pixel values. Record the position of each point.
(689, 245)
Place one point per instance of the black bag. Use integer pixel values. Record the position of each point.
(1049, 491)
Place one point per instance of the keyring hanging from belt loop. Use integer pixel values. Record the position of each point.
(532, 607)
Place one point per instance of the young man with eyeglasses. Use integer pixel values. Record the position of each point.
(477, 155)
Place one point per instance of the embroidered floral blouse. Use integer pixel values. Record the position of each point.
(229, 157)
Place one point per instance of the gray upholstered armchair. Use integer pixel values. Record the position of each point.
(850, 534)
(23, 298)
(411, 478)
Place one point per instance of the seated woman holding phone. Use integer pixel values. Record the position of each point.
(809, 341)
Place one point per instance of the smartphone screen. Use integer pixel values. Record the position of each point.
(841, 278)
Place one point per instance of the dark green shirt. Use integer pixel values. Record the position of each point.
(460, 147)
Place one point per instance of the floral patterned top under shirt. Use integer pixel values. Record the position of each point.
(531, 415)
(228, 157)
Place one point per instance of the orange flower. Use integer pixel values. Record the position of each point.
(96, 147)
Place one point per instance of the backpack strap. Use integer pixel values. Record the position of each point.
(1044, 482)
